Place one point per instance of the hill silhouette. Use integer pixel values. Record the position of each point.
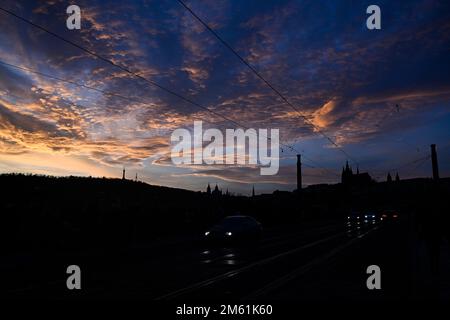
(77, 212)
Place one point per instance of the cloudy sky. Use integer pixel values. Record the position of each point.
(345, 79)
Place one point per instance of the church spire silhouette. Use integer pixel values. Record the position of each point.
(389, 177)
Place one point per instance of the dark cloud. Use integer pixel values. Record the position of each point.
(25, 122)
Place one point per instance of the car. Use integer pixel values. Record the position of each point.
(354, 217)
(361, 217)
(235, 229)
(362, 220)
(389, 215)
(370, 215)
(354, 223)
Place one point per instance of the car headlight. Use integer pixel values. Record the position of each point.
(228, 233)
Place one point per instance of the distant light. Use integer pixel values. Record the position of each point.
(366, 216)
(348, 218)
(228, 233)
(373, 216)
(206, 233)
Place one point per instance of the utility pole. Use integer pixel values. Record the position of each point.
(434, 162)
(299, 172)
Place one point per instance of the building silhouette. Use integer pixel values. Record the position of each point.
(389, 177)
(349, 178)
(216, 192)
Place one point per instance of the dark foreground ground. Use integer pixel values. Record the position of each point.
(322, 262)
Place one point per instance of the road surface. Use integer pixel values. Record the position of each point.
(325, 261)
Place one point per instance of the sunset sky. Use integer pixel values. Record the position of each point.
(345, 78)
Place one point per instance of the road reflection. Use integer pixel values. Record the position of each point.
(225, 255)
(356, 228)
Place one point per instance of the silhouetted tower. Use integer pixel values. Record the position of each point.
(389, 177)
(123, 174)
(347, 174)
(434, 162)
(208, 189)
(253, 191)
(216, 192)
(397, 177)
(299, 172)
